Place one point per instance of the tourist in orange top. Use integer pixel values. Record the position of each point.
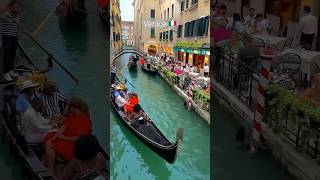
(133, 100)
(61, 143)
(142, 62)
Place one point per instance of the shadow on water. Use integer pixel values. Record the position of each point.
(152, 161)
(75, 35)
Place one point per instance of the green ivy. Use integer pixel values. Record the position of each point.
(282, 103)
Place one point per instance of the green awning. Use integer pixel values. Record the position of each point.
(188, 44)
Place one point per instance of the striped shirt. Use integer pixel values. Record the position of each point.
(9, 25)
(53, 105)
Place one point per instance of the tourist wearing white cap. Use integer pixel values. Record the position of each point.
(26, 94)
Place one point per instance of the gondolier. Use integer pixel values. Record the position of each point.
(113, 72)
(10, 39)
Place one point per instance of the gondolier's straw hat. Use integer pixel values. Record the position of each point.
(26, 84)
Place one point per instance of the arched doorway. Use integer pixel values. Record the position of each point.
(152, 50)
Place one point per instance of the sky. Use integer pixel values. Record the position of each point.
(127, 10)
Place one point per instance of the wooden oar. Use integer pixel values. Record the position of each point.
(41, 47)
(46, 18)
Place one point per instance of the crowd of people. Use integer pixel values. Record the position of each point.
(235, 35)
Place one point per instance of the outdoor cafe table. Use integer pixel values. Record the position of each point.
(306, 58)
(278, 41)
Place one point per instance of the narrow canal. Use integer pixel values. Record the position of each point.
(233, 163)
(131, 159)
(82, 48)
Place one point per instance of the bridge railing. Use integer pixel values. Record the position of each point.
(236, 76)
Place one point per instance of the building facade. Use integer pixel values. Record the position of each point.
(127, 33)
(187, 36)
(146, 12)
(283, 14)
(115, 26)
(177, 28)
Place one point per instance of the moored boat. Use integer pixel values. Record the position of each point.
(149, 68)
(72, 8)
(28, 154)
(149, 134)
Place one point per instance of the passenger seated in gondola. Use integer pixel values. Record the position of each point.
(61, 143)
(35, 126)
(132, 101)
(137, 112)
(26, 93)
(53, 102)
(119, 98)
(87, 158)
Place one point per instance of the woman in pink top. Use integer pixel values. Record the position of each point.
(220, 32)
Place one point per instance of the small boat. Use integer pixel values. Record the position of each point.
(149, 68)
(150, 135)
(29, 155)
(103, 9)
(132, 64)
(72, 8)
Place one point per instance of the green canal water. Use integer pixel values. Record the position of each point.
(233, 163)
(131, 159)
(82, 48)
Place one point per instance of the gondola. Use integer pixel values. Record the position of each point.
(150, 135)
(74, 9)
(149, 68)
(132, 65)
(29, 155)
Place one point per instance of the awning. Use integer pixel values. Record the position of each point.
(192, 47)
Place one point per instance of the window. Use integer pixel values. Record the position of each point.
(201, 26)
(193, 2)
(186, 29)
(191, 27)
(172, 9)
(152, 13)
(168, 13)
(160, 36)
(152, 33)
(182, 6)
(167, 35)
(164, 14)
(187, 4)
(171, 35)
(179, 31)
(161, 16)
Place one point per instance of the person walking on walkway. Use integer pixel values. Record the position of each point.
(10, 26)
(113, 73)
(308, 27)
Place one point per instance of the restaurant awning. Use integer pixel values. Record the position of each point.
(192, 47)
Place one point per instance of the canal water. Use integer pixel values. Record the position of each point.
(233, 163)
(82, 48)
(131, 159)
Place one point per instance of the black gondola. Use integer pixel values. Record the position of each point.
(150, 135)
(72, 8)
(28, 154)
(132, 64)
(149, 68)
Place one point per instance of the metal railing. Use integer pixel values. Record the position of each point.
(236, 76)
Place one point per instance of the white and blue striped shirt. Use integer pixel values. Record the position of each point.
(53, 105)
(10, 25)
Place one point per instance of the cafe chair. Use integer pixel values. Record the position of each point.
(258, 42)
(287, 43)
(314, 69)
(288, 84)
(291, 63)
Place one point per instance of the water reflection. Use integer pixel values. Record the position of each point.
(75, 35)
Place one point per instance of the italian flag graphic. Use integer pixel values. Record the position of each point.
(172, 23)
